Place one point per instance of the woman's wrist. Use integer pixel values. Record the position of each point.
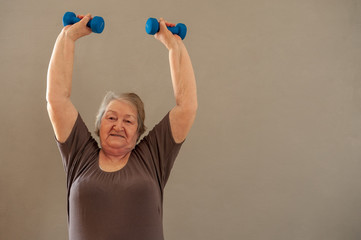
(176, 46)
(65, 37)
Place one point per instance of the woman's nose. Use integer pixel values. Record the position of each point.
(118, 126)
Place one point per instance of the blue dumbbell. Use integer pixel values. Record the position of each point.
(96, 24)
(152, 27)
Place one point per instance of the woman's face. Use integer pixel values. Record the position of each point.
(118, 127)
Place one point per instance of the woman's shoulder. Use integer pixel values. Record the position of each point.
(80, 137)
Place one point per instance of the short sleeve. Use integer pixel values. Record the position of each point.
(163, 149)
(77, 151)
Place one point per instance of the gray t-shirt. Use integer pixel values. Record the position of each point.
(125, 204)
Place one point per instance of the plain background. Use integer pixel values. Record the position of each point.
(275, 152)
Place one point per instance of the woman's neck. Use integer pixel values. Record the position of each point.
(112, 162)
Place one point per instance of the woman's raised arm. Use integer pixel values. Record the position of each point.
(61, 111)
(184, 84)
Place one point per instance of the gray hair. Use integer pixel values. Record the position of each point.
(132, 98)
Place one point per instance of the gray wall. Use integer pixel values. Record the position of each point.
(275, 152)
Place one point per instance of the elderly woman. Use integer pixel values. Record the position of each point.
(116, 191)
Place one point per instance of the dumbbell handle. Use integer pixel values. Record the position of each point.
(152, 27)
(96, 24)
(174, 30)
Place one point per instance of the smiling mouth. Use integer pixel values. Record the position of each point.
(117, 135)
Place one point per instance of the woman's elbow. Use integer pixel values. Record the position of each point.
(190, 109)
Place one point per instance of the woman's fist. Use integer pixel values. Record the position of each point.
(171, 41)
(79, 29)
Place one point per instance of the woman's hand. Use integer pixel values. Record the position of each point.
(79, 29)
(170, 41)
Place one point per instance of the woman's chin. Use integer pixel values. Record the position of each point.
(116, 148)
